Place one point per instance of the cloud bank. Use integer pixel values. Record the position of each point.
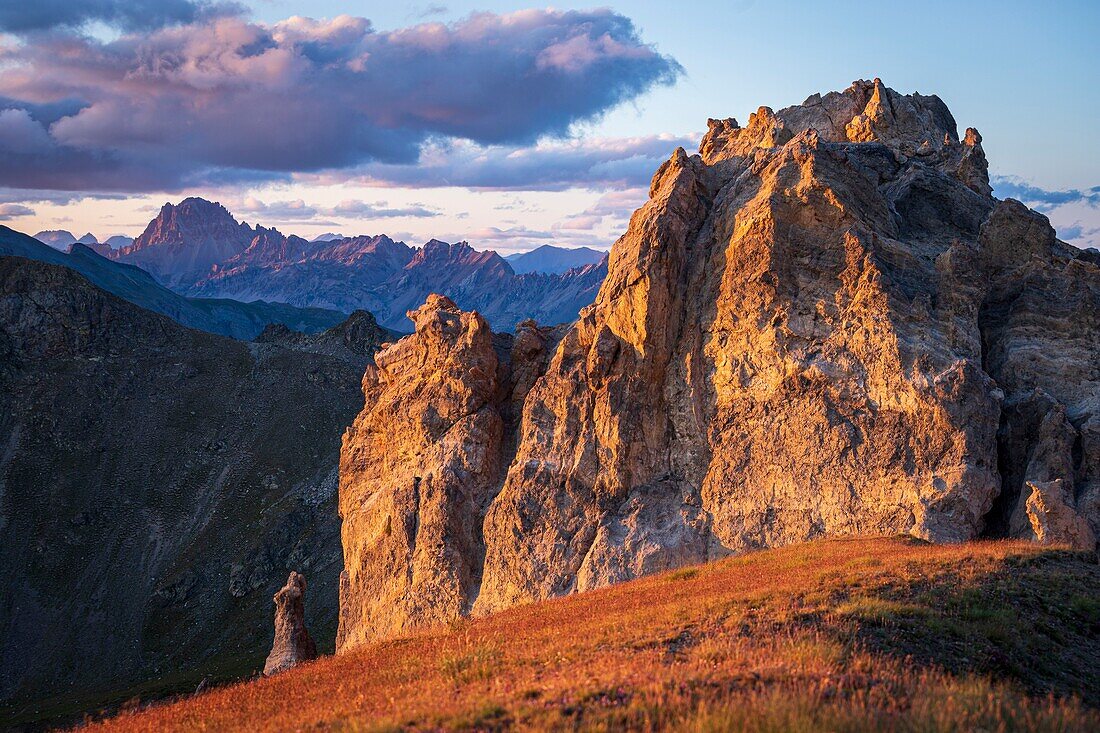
(28, 16)
(547, 166)
(221, 100)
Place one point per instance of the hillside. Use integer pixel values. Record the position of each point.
(855, 635)
(156, 482)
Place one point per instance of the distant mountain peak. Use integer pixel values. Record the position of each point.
(187, 239)
(554, 260)
(56, 238)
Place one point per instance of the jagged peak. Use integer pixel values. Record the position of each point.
(867, 111)
(910, 125)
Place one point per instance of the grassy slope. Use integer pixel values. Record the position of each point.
(859, 634)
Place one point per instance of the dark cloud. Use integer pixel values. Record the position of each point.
(227, 101)
(28, 16)
(13, 211)
(430, 10)
(59, 198)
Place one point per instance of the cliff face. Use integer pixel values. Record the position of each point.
(156, 484)
(418, 468)
(821, 324)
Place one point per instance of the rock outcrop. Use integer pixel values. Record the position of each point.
(822, 324)
(418, 468)
(156, 484)
(355, 340)
(1053, 517)
(293, 644)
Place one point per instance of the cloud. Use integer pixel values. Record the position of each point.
(221, 100)
(57, 198)
(430, 10)
(550, 165)
(298, 210)
(276, 211)
(27, 16)
(522, 239)
(1074, 213)
(1039, 198)
(381, 210)
(13, 211)
(613, 208)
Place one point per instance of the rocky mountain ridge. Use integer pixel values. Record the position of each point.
(64, 241)
(220, 316)
(198, 249)
(821, 324)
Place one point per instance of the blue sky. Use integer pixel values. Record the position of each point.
(1024, 74)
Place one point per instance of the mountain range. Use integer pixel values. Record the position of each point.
(198, 249)
(64, 240)
(221, 316)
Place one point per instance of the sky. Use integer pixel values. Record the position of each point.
(504, 124)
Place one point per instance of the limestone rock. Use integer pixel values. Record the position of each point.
(1053, 519)
(418, 467)
(822, 324)
(293, 644)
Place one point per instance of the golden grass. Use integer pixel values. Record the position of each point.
(839, 635)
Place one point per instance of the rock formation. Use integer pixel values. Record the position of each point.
(418, 468)
(293, 644)
(354, 341)
(156, 483)
(185, 240)
(821, 324)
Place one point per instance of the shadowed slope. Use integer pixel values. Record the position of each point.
(156, 484)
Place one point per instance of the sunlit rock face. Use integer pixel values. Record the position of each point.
(821, 324)
(418, 467)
